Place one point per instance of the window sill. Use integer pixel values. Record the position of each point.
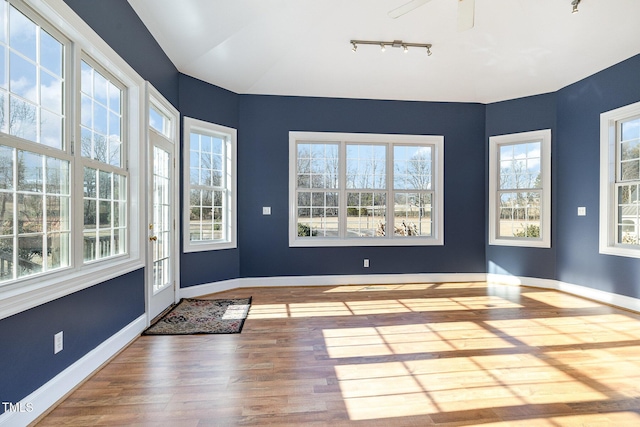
(205, 247)
(320, 242)
(620, 251)
(520, 243)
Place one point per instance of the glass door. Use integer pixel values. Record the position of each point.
(162, 258)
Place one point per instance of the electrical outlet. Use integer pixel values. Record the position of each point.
(57, 343)
(366, 262)
(266, 210)
(582, 211)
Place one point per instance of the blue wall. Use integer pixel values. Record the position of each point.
(87, 317)
(578, 158)
(263, 173)
(514, 116)
(204, 101)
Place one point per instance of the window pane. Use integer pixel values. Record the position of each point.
(630, 129)
(6, 213)
(30, 250)
(412, 214)
(628, 214)
(159, 121)
(412, 167)
(38, 215)
(320, 217)
(51, 92)
(30, 172)
(100, 117)
(100, 200)
(6, 258)
(50, 53)
(366, 214)
(23, 119)
(519, 215)
(6, 168)
(318, 166)
(23, 77)
(520, 166)
(51, 129)
(366, 166)
(23, 32)
(35, 81)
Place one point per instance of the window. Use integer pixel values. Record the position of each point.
(102, 157)
(520, 189)
(344, 187)
(210, 199)
(69, 121)
(620, 181)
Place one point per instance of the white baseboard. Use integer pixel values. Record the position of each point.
(38, 402)
(604, 297)
(329, 280)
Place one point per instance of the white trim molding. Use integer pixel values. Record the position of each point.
(617, 300)
(330, 280)
(608, 241)
(495, 142)
(604, 297)
(229, 185)
(40, 401)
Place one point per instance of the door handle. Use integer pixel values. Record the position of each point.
(153, 238)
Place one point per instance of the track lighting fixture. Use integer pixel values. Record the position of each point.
(575, 4)
(396, 43)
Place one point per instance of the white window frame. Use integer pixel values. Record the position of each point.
(544, 137)
(229, 135)
(436, 141)
(608, 178)
(31, 291)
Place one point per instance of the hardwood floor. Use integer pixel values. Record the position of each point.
(454, 354)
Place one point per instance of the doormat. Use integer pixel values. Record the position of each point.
(203, 316)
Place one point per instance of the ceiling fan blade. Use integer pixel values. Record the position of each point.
(406, 8)
(466, 14)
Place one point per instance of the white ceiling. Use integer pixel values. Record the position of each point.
(301, 47)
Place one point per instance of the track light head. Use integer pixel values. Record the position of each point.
(385, 44)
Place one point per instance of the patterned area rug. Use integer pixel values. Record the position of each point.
(203, 316)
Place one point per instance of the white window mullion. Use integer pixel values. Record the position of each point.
(390, 193)
(342, 185)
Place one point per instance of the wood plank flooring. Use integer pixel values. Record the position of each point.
(454, 354)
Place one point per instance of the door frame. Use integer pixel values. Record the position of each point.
(153, 97)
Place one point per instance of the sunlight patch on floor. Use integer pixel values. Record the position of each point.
(410, 339)
(385, 287)
(570, 330)
(423, 387)
(370, 307)
(560, 300)
(582, 420)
